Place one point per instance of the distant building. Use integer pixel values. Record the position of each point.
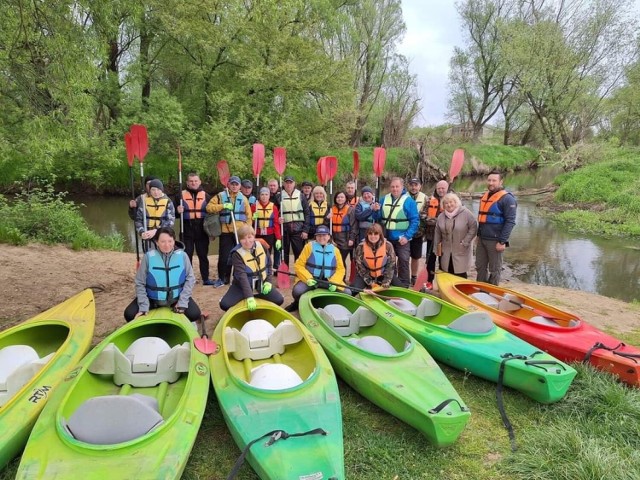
(465, 130)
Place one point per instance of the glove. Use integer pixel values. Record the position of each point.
(332, 288)
(227, 206)
(385, 285)
(251, 304)
(266, 288)
(255, 215)
(311, 283)
(278, 244)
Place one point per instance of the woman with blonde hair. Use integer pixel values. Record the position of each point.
(456, 227)
(318, 208)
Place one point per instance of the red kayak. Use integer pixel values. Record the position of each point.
(561, 334)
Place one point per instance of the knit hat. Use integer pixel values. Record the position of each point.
(367, 189)
(148, 178)
(157, 184)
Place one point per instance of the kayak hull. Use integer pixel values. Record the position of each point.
(67, 330)
(161, 452)
(538, 375)
(252, 411)
(408, 383)
(562, 334)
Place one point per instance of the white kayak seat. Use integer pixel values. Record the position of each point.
(274, 376)
(506, 305)
(111, 419)
(374, 344)
(473, 322)
(428, 308)
(485, 298)
(345, 323)
(18, 365)
(147, 362)
(404, 305)
(540, 320)
(259, 339)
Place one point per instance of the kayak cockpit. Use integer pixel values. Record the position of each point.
(18, 365)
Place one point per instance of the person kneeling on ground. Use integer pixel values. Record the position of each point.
(375, 261)
(251, 273)
(165, 279)
(319, 265)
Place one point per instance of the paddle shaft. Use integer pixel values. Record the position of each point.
(353, 289)
(133, 196)
(180, 184)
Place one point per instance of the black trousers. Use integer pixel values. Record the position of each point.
(234, 296)
(227, 242)
(431, 261)
(291, 241)
(195, 237)
(192, 312)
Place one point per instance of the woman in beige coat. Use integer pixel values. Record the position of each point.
(456, 227)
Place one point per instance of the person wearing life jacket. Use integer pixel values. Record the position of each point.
(246, 187)
(251, 273)
(398, 215)
(364, 213)
(375, 261)
(135, 204)
(343, 224)
(235, 212)
(165, 279)
(318, 209)
(319, 265)
(433, 208)
(496, 219)
(155, 211)
(191, 206)
(265, 220)
(417, 242)
(307, 190)
(294, 216)
(350, 192)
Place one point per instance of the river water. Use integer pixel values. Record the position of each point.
(542, 252)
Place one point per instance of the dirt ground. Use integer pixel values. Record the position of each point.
(36, 277)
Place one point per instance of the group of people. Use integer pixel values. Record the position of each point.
(384, 239)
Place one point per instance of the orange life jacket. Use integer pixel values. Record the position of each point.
(340, 218)
(375, 261)
(195, 207)
(434, 208)
(489, 211)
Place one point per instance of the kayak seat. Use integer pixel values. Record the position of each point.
(345, 323)
(404, 305)
(374, 344)
(485, 298)
(274, 376)
(473, 322)
(508, 306)
(147, 362)
(540, 320)
(428, 308)
(18, 365)
(259, 339)
(111, 419)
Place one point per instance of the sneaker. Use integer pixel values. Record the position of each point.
(292, 307)
(413, 279)
(429, 285)
(208, 282)
(218, 283)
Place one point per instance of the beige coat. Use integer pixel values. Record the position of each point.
(455, 237)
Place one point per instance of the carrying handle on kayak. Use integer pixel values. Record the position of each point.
(602, 346)
(438, 408)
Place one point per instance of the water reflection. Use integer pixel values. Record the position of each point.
(545, 252)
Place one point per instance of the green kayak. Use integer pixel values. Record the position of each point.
(471, 342)
(278, 394)
(131, 408)
(385, 365)
(34, 358)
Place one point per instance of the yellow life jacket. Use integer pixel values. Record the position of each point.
(291, 206)
(255, 262)
(155, 210)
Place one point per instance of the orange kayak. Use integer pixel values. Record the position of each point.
(560, 333)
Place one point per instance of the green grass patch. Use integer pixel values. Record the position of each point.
(41, 215)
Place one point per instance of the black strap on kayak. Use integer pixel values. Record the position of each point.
(503, 414)
(602, 346)
(439, 407)
(274, 436)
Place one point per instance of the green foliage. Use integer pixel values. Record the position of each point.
(44, 216)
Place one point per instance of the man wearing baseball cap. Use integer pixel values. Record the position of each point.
(294, 210)
(235, 212)
(319, 265)
(246, 187)
(307, 188)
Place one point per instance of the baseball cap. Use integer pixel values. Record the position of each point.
(289, 178)
(234, 179)
(322, 230)
(415, 180)
(307, 183)
(247, 183)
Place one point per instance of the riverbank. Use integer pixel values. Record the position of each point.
(36, 277)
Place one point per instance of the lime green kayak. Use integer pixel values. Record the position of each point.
(34, 358)
(385, 365)
(274, 383)
(472, 343)
(131, 408)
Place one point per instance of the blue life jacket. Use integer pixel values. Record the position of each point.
(238, 208)
(165, 281)
(322, 263)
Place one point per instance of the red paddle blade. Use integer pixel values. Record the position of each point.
(258, 158)
(352, 272)
(379, 159)
(331, 167)
(139, 132)
(456, 164)
(320, 169)
(128, 145)
(280, 159)
(356, 163)
(283, 276)
(205, 345)
(223, 172)
(421, 280)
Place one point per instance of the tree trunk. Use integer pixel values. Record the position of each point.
(145, 68)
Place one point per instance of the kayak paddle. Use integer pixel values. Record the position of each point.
(330, 169)
(258, 163)
(379, 159)
(457, 160)
(128, 144)
(280, 163)
(180, 183)
(224, 174)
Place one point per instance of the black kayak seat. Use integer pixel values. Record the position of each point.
(111, 419)
(473, 322)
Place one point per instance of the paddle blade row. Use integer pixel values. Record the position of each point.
(258, 158)
(128, 145)
(223, 172)
(356, 164)
(280, 159)
(456, 164)
(331, 167)
(320, 169)
(140, 141)
(379, 159)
